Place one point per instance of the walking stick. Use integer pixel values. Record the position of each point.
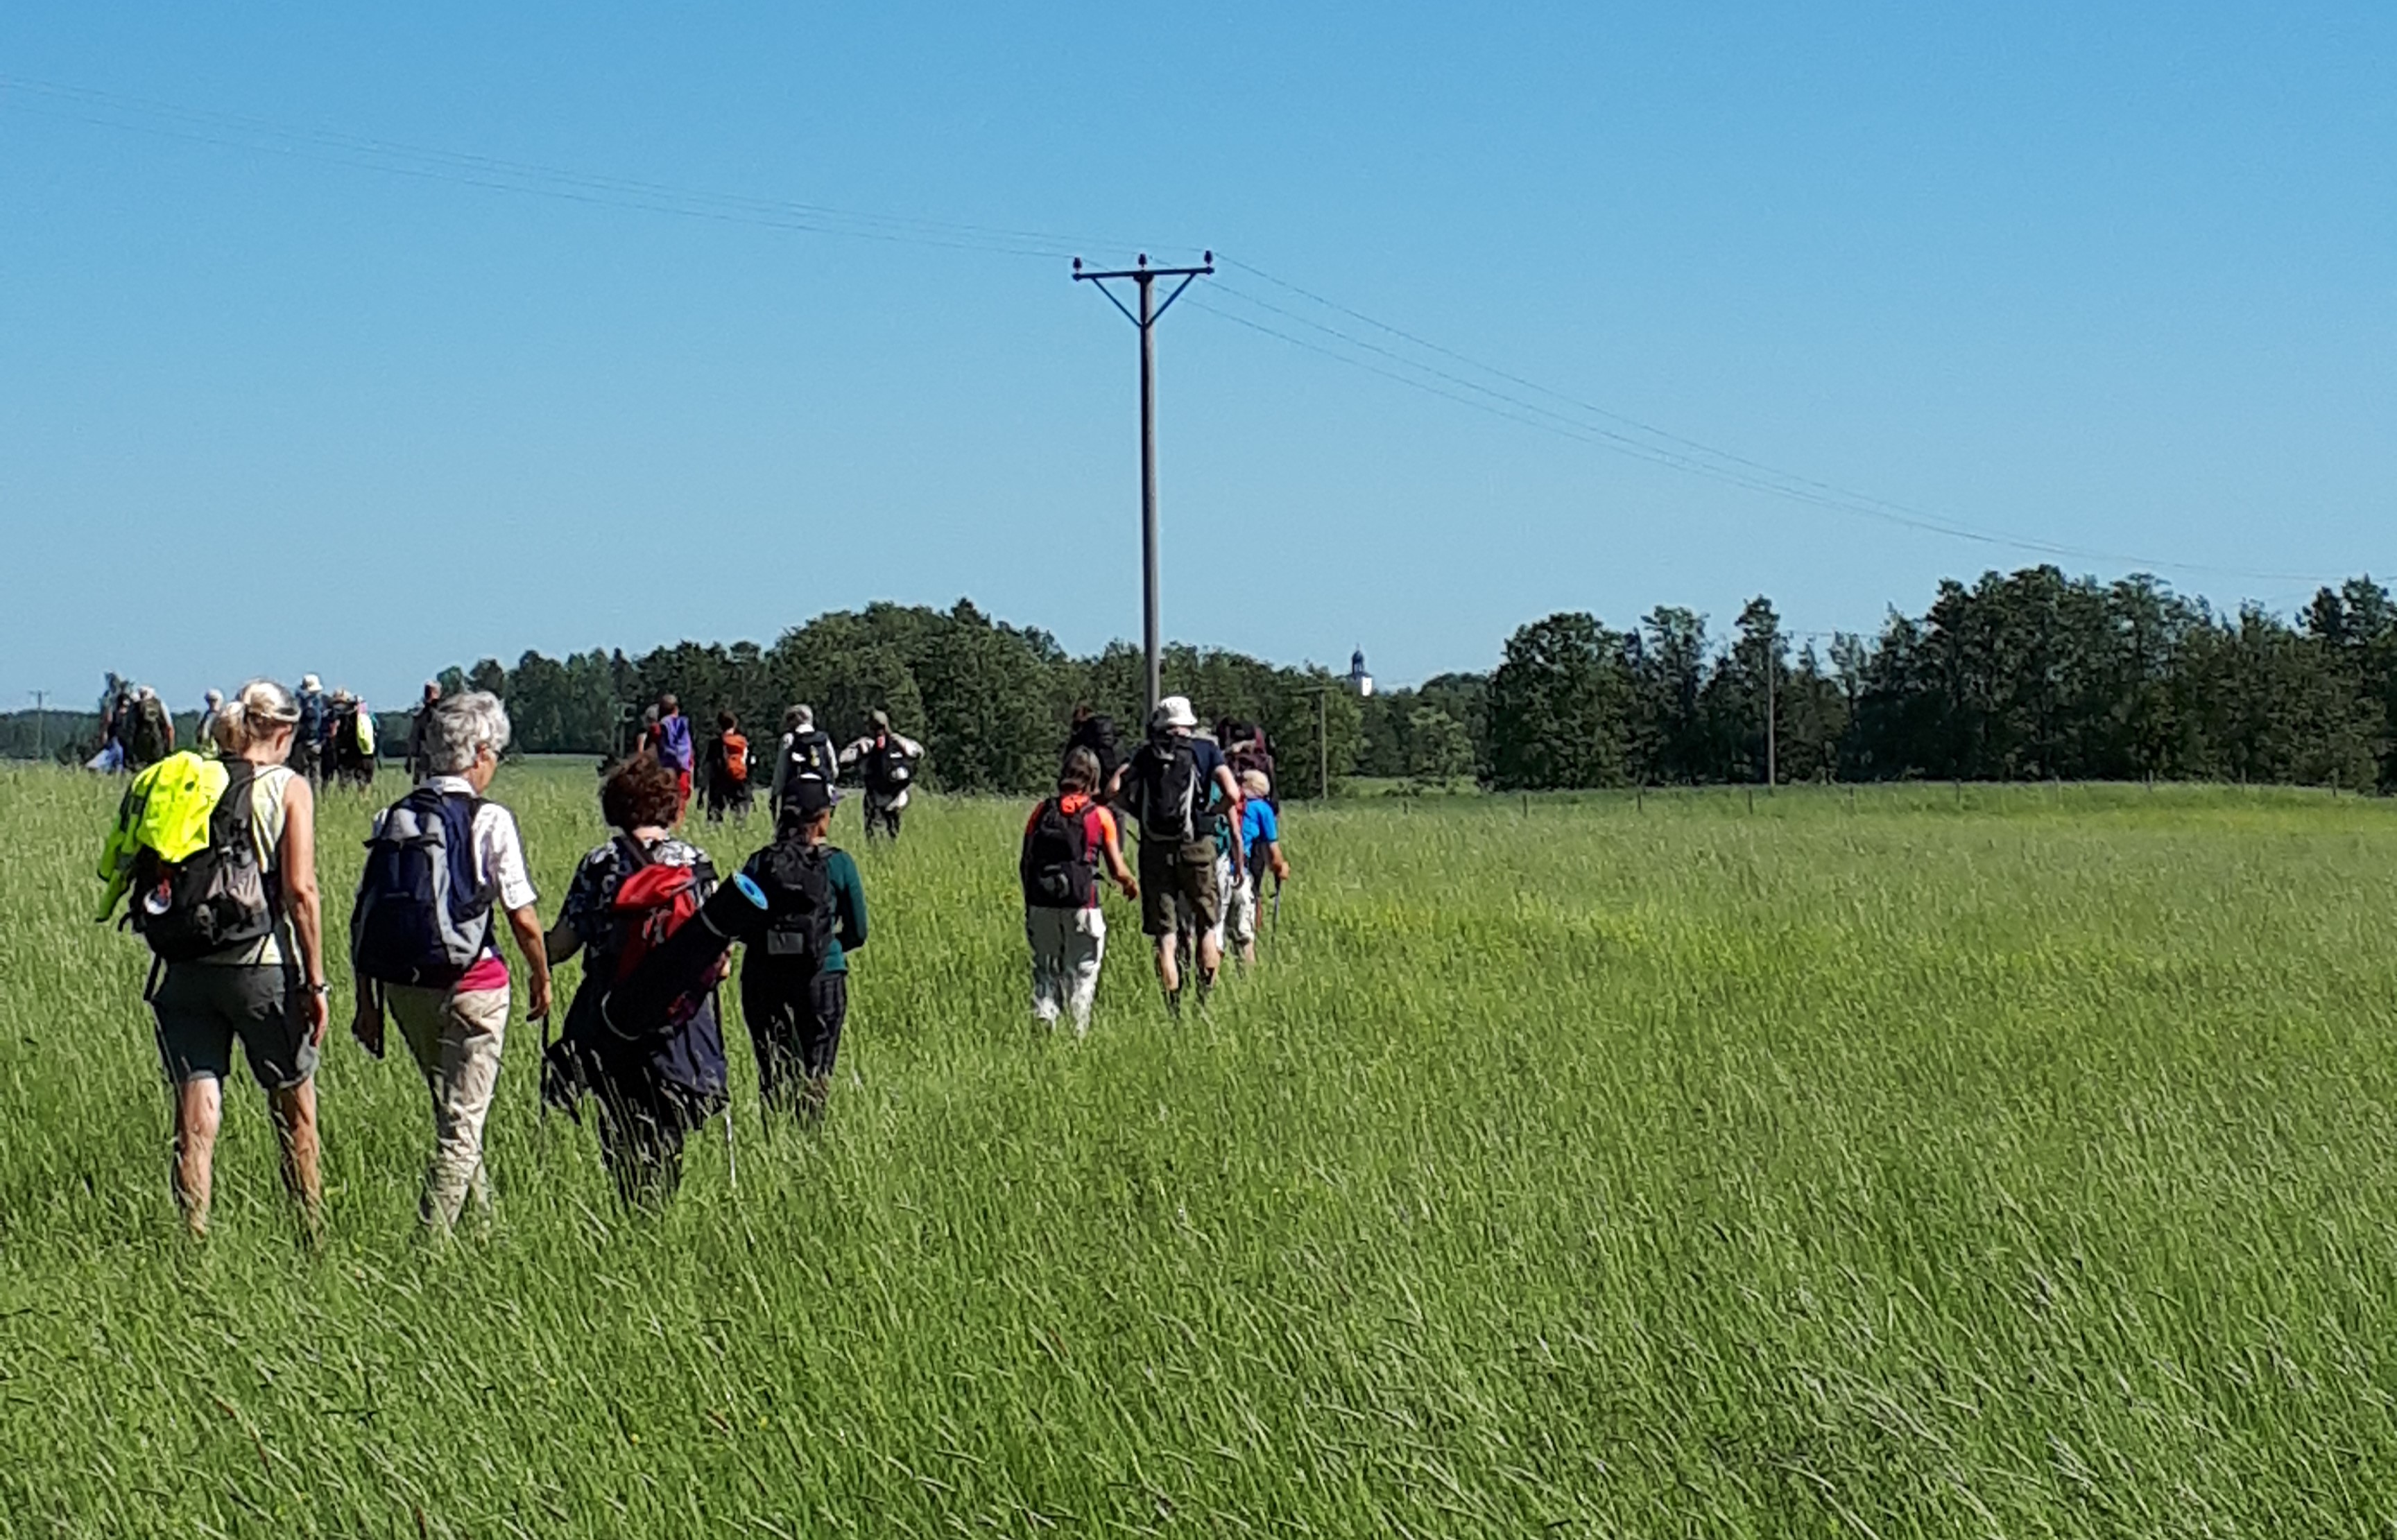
(731, 1159)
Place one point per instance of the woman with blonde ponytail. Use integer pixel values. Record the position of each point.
(270, 992)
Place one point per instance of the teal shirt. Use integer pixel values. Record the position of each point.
(847, 909)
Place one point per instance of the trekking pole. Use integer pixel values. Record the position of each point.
(732, 1159)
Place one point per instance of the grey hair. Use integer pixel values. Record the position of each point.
(457, 728)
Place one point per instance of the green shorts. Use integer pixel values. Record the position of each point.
(203, 1007)
(1177, 879)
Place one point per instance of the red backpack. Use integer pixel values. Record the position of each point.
(652, 902)
(736, 757)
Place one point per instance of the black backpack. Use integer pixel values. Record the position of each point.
(798, 902)
(1097, 733)
(811, 757)
(217, 899)
(148, 731)
(1173, 801)
(889, 767)
(1056, 867)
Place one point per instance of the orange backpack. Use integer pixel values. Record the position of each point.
(736, 757)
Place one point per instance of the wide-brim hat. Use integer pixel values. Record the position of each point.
(1174, 712)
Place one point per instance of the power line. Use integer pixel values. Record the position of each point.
(1628, 436)
(358, 152)
(1677, 453)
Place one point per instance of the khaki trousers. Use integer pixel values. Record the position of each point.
(456, 1038)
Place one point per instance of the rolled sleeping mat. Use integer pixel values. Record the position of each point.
(682, 967)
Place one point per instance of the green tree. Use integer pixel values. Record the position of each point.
(1560, 706)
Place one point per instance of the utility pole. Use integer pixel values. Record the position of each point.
(41, 725)
(1145, 278)
(1773, 716)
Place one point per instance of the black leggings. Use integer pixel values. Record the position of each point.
(795, 1019)
(641, 1135)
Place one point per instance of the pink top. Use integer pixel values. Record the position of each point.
(487, 972)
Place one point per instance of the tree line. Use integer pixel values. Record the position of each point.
(2020, 675)
(990, 701)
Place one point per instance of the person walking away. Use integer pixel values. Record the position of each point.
(221, 859)
(1066, 839)
(727, 775)
(423, 942)
(419, 724)
(308, 742)
(1096, 733)
(1246, 749)
(204, 737)
(651, 1090)
(1171, 786)
(889, 763)
(1260, 845)
(152, 737)
(676, 751)
(806, 753)
(795, 982)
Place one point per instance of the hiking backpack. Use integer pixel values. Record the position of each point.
(217, 899)
(889, 765)
(653, 901)
(1056, 865)
(674, 742)
(1172, 799)
(150, 731)
(811, 757)
(1097, 733)
(797, 884)
(422, 917)
(736, 757)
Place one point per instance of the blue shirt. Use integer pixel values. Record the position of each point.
(1257, 821)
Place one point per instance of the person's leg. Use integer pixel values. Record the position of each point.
(271, 1018)
(294, 1109)
(1040, 934)
(457, 1038)
(1196, 870)
(827, 1009)
(1160, 918)
(1086, 945)
(195, 1051)
(770, 1006)
(199, 1112)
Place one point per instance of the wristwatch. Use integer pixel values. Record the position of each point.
(326, 988)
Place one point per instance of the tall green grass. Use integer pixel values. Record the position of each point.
(2004, 1163)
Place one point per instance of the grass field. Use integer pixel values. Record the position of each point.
(2019, 1164)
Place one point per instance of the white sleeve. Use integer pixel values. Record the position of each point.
(498, 849)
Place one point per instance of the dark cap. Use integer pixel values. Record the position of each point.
(806, 798)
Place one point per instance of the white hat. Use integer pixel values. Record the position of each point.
(1174, 712)
(309, 682)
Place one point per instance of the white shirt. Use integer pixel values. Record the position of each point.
(499, 851)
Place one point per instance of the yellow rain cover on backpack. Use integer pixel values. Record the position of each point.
(166, 809)
(366, 730)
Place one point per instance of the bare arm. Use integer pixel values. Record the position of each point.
(525, 923)
(301, 902)
(1273, 859)
(1116, 867)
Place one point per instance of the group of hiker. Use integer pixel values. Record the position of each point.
(723, 772)
(217, 856)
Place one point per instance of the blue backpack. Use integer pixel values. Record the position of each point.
(422, 917)
(674, 742)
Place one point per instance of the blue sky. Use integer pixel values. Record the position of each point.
(2115, 280)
